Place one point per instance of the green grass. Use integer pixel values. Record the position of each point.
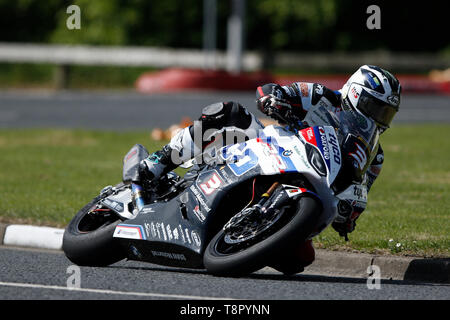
(47, 175)
(408, 209)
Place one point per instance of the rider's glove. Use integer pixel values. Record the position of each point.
(274, 107)
(343, 228)
(345, 221)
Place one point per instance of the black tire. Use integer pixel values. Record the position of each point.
(93, 248)
(258, 255)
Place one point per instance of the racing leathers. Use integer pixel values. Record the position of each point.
(291, 103)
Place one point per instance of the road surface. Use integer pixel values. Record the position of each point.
(129, 110)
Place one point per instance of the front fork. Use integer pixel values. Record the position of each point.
(137, 193)
(266, 200)
(279, 195)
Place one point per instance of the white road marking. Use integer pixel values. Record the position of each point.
(102, 291)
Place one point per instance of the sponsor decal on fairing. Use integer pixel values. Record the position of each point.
(129, 231)
(325, 140)
(211, 184)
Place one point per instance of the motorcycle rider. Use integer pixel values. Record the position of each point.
(370, 92)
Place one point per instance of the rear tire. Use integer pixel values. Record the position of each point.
(258, 255)
(94, 247)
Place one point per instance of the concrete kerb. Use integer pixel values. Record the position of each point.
(31, 236)
(358, 265)
(334, 263)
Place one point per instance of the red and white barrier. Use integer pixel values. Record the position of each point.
(191, 79)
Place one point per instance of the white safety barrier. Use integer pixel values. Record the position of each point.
(119, 56)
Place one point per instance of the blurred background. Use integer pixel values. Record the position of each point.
(118, 41)
(81, 81)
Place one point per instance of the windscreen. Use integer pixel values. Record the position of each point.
(347, 122)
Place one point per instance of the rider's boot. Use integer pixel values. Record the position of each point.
(150, 169)
(181, 148)
(295, 259)
(156, 165)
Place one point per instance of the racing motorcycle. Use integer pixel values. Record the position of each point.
(234, 215)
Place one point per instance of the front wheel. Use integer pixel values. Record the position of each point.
(88, 238)
(235, 258)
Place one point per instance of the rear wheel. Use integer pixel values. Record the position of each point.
(249, 248)
(88, 238)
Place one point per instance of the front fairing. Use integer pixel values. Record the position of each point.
(279, 151)
(351, 127)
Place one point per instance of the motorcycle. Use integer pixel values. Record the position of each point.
(234, 215)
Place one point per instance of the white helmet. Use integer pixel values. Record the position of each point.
(373, 92)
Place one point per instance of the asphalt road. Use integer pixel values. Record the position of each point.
(129, 110)
(43, 274)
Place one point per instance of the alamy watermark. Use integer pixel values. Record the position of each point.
(374, 279)
(73, 22)
(374, 20)
(208, 146)
(74, 279)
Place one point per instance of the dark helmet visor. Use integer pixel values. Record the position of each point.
(378, 110)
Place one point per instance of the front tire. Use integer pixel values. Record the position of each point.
(256, 256)
(88, 245)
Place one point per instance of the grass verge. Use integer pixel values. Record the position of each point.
(408, 211)
(49, 174)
